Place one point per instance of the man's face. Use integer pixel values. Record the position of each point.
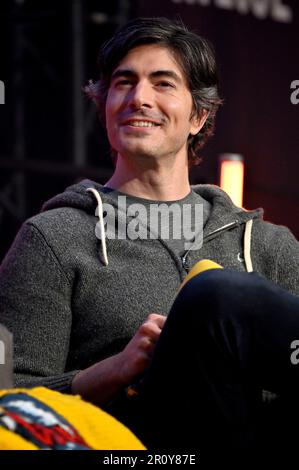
(149, 106)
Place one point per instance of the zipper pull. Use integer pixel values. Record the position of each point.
(185, 263)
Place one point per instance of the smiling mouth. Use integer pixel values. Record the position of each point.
(142, 124)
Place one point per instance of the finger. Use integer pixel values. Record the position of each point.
(157, 318)
(150, 330)
(147, 345)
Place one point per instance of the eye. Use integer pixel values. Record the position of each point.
(165, 84)
(123, 82)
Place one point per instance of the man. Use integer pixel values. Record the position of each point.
(87, 309)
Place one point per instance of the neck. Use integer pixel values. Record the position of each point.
(157, 182)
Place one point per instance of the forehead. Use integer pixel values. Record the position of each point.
(149, 58)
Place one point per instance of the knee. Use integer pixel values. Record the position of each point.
(218, 293)
(209, 286)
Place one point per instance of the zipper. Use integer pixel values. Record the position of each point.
(208, 237)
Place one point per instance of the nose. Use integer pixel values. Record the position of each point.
(141, 95)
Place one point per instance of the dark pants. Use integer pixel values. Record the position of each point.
(227, 338)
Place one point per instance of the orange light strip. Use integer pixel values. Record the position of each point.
(232, 177)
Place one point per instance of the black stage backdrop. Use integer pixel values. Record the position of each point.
(257, 45)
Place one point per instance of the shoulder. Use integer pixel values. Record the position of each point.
(62, 221)
(275, 252)
(62, 230)
(58, 215)
(270, 233)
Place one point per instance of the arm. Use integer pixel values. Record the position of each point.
(275, 254)
(35, 306)
(287, 267)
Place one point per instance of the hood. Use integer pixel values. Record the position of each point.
(87, 196)
(75, 196)
(224, 210)
(78, 197)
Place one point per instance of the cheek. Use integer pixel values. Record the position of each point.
(112, 134)
(180, 110)
(110, 113)
(112, 103)
(115, 101)
(110, 125)
(109, 108)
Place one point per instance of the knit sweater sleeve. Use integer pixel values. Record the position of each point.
(287, 262)
(35, 305)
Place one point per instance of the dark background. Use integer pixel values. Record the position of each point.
(49, 132)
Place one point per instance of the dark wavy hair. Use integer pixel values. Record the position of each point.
(193, 53)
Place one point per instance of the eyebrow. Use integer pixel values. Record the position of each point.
(156, 74)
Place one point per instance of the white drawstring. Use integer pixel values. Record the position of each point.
(247, 242)
(104, 257)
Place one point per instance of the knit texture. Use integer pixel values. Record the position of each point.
(67, 310)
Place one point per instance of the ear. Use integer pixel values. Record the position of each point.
(198, 121)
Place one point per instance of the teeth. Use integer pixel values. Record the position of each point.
(142, 124)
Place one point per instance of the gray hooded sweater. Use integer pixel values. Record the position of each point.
(67, 308)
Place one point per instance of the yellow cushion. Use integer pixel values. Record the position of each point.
(40, 418)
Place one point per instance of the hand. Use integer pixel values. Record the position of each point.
(102, 381)
(136, 356)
